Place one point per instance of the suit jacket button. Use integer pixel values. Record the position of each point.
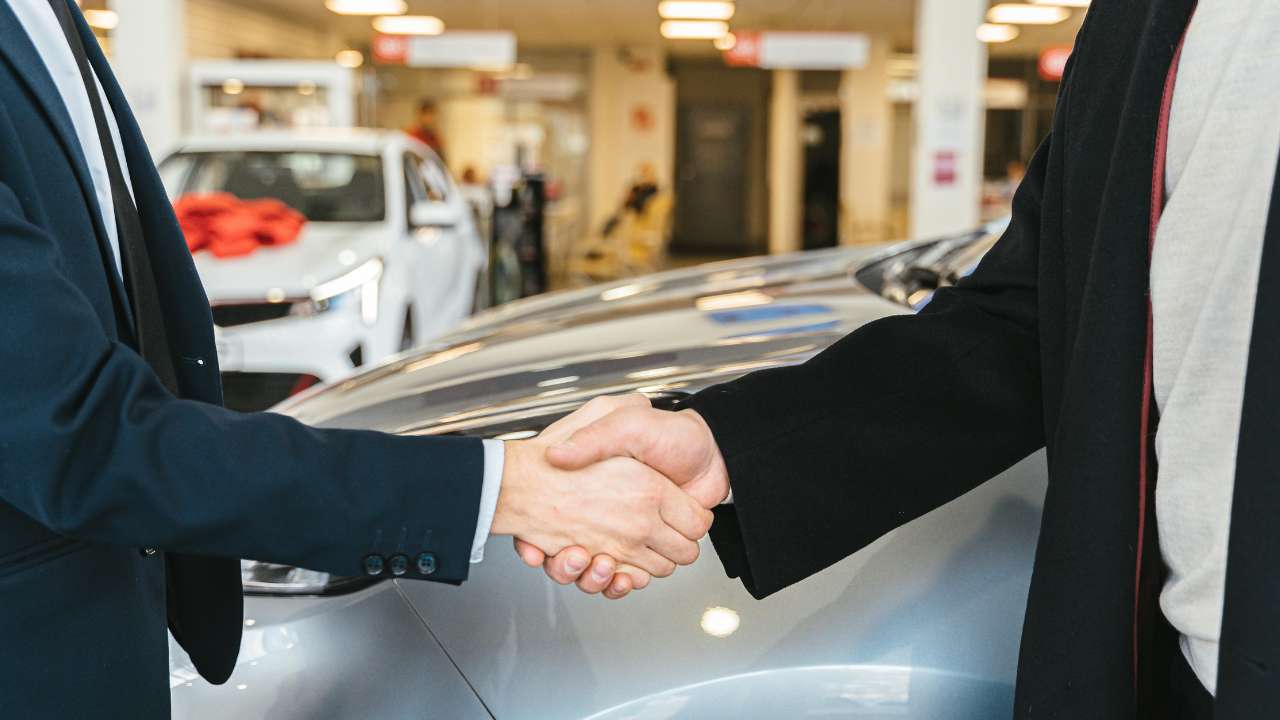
(373, 564)
(148, 551)
(398, 564)
(425, 563)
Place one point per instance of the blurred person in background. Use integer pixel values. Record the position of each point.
(643, 189)
(425, 127)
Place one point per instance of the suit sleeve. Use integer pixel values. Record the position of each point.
(896, 419)
(93, 447)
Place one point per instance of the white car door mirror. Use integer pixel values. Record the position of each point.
(427, 213)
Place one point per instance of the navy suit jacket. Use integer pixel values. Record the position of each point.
(99, 460)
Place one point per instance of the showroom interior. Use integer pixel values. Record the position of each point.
(452, 219)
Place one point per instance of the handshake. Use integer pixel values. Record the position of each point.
(612, 495)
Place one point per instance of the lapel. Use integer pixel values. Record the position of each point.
(1249, 653)
(185, 307)
(30, 70)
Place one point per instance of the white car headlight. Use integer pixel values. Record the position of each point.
(360, 285)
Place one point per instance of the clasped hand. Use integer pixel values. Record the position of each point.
(612, 495)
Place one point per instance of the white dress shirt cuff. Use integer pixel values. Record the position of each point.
(494, 455)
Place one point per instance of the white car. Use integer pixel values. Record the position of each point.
(389, 256)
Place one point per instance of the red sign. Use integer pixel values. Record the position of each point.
(390, 49)
(745, 51)
(944, 168)
(1053, 61)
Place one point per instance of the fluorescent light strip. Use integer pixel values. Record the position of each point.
(367, 7)
(992, 33)
(408, 25)
(695, 10)
(1024, 14)
(102, 19)
(694, 29)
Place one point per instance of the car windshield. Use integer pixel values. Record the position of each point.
(323, 186)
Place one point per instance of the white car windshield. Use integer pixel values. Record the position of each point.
(323, 186)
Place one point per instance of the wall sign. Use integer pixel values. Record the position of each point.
(453, 49)
(799, 50)
(1053, 62)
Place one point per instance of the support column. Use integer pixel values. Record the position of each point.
(149, 56)
(632, 116)
(946, 182)
(866, 149)
(785, 163)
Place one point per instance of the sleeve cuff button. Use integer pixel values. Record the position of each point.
(425, 563)
(373, 564)
(399, 564)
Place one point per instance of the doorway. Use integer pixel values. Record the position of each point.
(711, 182)
(821, 132)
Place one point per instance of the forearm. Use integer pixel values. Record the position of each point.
(895, 420)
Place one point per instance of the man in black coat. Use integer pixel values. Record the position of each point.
(127, 492)
(1050, 343)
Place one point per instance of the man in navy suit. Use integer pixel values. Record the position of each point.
(127, 493)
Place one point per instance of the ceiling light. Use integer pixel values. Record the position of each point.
(1063, 3)
(725, 42)
(409, 25)
(696, 9)
(102, 19)
(1023, 14)
(367, 7)
(349, 58)
(694, 29)
(992, 33)
(232, 86)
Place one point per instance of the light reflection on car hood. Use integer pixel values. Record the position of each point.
(675, 331)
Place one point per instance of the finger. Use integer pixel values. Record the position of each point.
(639, 578)
(673, 546)
(532, 556)
(599, 576)
(652, 561)
(627, 432)
(595, 409)
(684, 514)
(621, 585)
(568, 565)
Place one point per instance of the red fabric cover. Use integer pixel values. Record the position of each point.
(230, 227)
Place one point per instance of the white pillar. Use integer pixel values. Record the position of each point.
(946, 182)
(632, 120)
(866, 148)
(785, 163)
(149, 56)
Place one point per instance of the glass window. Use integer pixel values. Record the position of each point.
(324, 187)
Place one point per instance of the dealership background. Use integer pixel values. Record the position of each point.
(617, 196)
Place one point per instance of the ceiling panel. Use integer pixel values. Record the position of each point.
(584, 23)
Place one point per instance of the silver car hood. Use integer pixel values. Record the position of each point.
(672, 332)
(921, 624)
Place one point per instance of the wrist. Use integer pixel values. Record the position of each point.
(508, 517)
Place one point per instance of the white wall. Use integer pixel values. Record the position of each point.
(866, 149)
(221, 29)
(949, 116)
(148, 55)
(625, 82)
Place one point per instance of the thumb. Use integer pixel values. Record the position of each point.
(613, 435)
